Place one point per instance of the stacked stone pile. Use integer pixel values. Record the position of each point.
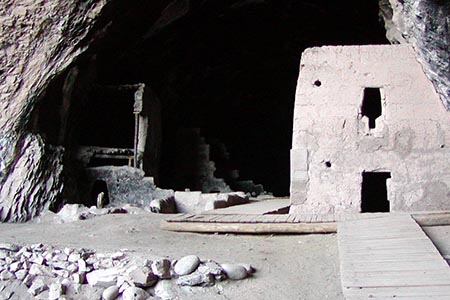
(47, 272)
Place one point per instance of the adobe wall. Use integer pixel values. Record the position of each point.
(411, 139)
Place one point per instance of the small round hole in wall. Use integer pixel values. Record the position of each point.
(328, 164)
(317, 83)
(442, 146)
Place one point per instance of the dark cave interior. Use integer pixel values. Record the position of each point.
(227, 67)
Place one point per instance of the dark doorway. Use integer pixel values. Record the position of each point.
(371, 105)
(374, 196)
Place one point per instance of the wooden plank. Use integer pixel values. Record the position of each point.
(282, 218)
(390, 257)
(411, 292)
(297, 219)
(178, 217)
(290, 219)
(249, 227)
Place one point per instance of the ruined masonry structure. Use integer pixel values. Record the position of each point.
(370, 133)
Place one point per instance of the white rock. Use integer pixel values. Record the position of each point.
(135, 293)
(3, 254)
(118, 255)
(37, 259)
(55, 291)
(28, 280)
(72, 268)
(110, 293)
(165, 290)
(102, 278)
(74, 257)
(9, 247)
(6, 275)
(60, 257)
(60, 265)
(161, 268)
(37, 287)
(20, 274)
(187, 265)
(196, 279)
(78, 278)
(235, 271)
(70, 213)
(143, 277)
(82, 266)
(65, 283)
(15, 266)
(39, 270)
(250, 269)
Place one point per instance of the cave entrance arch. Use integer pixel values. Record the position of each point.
(235, 81)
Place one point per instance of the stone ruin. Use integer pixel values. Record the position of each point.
(370, 133)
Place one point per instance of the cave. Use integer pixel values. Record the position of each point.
(225, 70)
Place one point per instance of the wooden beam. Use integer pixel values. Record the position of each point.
(249, 228)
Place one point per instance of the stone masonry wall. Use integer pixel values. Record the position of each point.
(332, 143)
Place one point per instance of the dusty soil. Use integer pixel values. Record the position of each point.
(288, 266)
(440, 235)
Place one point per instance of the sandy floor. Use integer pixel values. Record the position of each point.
(440, 235)
(288, 266)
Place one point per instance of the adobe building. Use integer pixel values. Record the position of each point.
(370, 133)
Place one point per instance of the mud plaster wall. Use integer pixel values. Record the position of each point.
(409, 140)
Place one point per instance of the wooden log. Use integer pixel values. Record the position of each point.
(432, 219)
(248, 228)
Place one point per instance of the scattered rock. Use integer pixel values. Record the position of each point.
(110, 293)
(163, 206)
(161, 268)
(102, 278)
(165, 290)
(196, 279)
(6, 275)
(78, 278)
(9, 247)
(20, 275)
(250, 269)
(55, 291)
(213, 268)
(143, 277)
(37, 287)
(235, 271)
(135, 293)
(187, 265)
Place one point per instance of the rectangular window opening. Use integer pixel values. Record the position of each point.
(374, 195)
(371, 105)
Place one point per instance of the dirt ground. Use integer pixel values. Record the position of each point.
(440, 235)
(288, 266)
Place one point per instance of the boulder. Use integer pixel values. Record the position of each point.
(110, 293)
(235, 271)
(135, 293)
(186, 265)
(196, 279)
(142, 277)
(161, 268)
(102, 278)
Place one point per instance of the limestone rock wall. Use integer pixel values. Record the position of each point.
(39, 39)
(425, 24)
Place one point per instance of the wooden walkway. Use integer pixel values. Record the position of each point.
(390, 258)
(277, 223)
(259, 207)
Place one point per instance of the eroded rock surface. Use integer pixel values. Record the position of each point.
(425, 25)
